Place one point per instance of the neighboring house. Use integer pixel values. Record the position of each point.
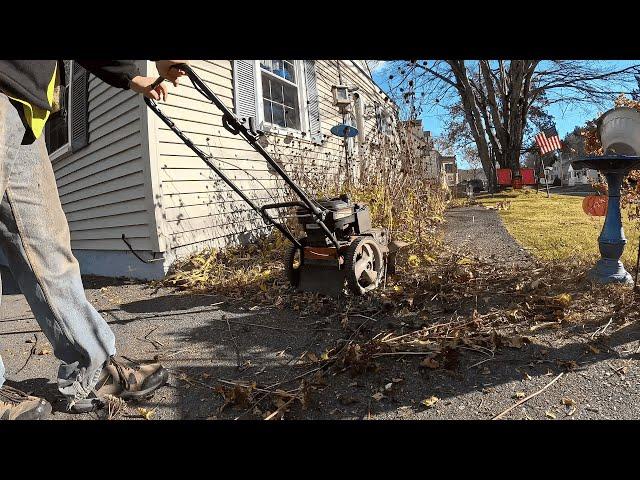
(124, 177)
(586, 176)
(450, 169)
(570, 177)
(425, 156)
(431, 159)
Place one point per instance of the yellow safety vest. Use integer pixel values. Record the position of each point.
(37, 117)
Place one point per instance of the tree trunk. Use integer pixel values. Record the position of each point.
(489, 171)
(513, 159)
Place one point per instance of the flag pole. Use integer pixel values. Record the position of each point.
(546, 180)
(543, 143)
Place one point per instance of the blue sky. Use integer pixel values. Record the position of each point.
(566, 117)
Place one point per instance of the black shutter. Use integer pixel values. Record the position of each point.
(313, 104)
(78, 106)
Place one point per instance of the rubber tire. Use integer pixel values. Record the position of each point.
(350, 260)
(293, 274)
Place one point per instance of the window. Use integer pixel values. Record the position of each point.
(384, 121)
(57, 128)
(281, 93)
(448, 167)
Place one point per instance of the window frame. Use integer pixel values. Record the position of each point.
(386, 121)
(65, 149)
(301, 86)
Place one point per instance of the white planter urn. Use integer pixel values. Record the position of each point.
(619, 131)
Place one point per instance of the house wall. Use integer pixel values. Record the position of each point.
(451, 177)
(425, 157)
(193, 207)
(432, 165)
(105, 187)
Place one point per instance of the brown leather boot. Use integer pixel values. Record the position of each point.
(17, 405)
(122, 379)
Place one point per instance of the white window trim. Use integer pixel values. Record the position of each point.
(65, 149)
(302, 102)
(60, 152)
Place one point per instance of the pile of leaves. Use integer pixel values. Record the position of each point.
(460, 303)
(253, 268)
(256, 271)
(439, 308)
(442, 304)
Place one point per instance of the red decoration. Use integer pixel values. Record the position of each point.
(595, 205)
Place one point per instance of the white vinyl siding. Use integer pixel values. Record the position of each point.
(103, 186)
(197, 209)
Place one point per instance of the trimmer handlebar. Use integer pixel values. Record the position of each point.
(271, 206)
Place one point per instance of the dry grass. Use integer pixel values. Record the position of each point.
(556, 228)
(256, 270)
(257, 267)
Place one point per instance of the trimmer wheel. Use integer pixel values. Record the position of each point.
(293, 260)
(363, 265)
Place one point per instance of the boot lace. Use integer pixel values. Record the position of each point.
(121, 370)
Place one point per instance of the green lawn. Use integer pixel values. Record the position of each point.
(556, 227)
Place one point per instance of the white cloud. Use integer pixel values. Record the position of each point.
(376, 65)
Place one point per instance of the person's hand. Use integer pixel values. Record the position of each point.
(144, 85)
(171, 74)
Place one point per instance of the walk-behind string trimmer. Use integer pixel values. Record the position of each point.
(340, 244)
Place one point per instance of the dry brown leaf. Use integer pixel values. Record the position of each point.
(564, 299)
(146, 414)
(464, 261)
(429, 402)
(593, 349)
(430, 362)
(515, 341)
(311, 357)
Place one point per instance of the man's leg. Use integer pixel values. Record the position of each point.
(14, 404)
(12, 131)
(34, 229)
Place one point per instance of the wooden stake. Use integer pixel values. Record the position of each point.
(500, 415)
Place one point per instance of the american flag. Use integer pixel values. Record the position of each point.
(548, 140)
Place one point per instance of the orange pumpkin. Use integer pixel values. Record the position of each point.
(595, 205)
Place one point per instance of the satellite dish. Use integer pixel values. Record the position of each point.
(344, 131)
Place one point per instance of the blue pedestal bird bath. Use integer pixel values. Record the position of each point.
(611, 241)
(619, 131)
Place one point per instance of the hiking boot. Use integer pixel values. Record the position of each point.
(125, 380)
(17, 405)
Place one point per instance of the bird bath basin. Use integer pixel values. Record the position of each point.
(611, 242)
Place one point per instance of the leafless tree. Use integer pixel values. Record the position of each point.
(492, 103)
